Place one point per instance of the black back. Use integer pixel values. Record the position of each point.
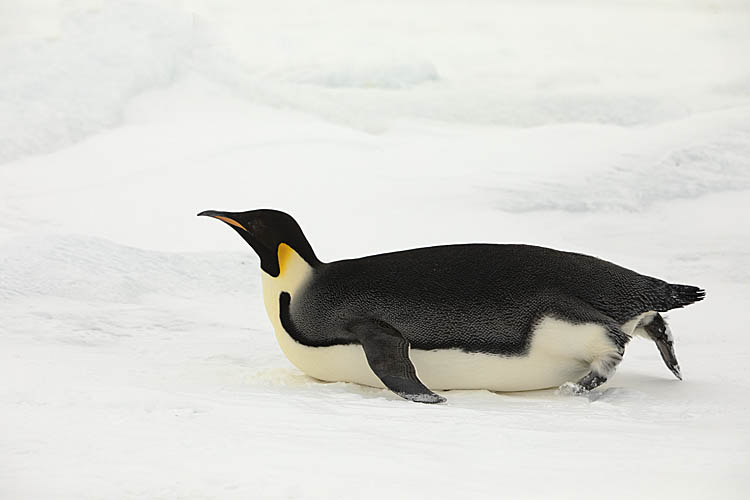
(474, 297)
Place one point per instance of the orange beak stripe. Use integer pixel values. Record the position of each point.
(231, 221)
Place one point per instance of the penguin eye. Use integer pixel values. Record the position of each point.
(263, 233)
(257, 227)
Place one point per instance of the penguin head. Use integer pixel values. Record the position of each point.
(265, 230)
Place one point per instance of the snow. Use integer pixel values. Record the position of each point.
(137, 358)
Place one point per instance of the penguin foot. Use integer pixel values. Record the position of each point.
(571, 389)
(588, 383)
(591, 381)
(577, 390)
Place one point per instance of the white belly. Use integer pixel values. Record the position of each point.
(559, 352)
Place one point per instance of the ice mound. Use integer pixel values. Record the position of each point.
(59, 88)
(86, 268)
(382, 75)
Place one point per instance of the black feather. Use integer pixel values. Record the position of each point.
(683, 295)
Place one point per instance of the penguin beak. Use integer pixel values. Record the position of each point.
(223, 216)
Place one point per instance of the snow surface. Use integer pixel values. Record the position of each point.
(136, 356)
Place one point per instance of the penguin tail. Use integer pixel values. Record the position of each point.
(678, 296)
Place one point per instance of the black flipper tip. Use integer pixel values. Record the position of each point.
(427, 398)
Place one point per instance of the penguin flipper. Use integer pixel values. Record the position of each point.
(387, 353)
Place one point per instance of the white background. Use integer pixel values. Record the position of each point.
(136, 360)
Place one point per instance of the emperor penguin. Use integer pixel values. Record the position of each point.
(501, 317)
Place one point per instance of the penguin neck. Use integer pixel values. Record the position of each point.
(285, 251)
(294, 271)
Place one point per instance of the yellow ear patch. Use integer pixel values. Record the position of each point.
(285, 253)
(231, 221)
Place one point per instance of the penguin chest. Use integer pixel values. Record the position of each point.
(346, 363)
